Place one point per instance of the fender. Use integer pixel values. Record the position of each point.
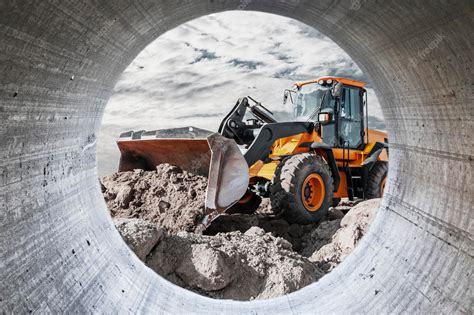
(374, 154)
(326, 150)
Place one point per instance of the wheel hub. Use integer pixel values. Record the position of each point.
(313, 192)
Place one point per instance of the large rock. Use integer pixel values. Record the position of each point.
(204, 268)
(319, 237)
(353, 226)
(140, 235)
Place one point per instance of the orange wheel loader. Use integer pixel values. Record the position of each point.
(327, 152)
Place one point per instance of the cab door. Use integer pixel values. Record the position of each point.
(351, 119)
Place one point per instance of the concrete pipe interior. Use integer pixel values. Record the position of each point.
(60, 251)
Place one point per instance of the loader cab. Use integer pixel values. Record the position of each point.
(307, 100)
(345, 129)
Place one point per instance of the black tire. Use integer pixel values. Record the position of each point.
(376, 178)
(248, 207)
(286, 189)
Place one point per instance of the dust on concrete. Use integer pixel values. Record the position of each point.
(240, 257)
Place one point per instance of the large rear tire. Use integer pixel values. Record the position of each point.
(302, 189)
(376, 180)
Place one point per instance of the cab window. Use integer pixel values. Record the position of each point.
(351, 122)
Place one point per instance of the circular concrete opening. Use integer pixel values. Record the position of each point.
(60, 250)
(192, 75)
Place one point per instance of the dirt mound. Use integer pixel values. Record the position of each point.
(235, 265)
(305, 239)
(252, 265)
(241, 257)
(169, 196)
(354, 225)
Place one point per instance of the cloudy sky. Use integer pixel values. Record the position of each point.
(193, 74)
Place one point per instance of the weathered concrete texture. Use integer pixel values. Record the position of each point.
(60, 252)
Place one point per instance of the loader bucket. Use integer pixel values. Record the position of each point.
(228, 177)
(197, 151)
(186, 148)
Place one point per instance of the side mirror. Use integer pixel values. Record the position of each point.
(325, 117)
(285, 97)
(337, 90)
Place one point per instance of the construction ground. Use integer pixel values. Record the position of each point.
(239, 256)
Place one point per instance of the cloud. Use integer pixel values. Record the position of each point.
(251, 65)
(205, 55)
(193, 74)
(289, 73)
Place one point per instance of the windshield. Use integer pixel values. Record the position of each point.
(308, 99)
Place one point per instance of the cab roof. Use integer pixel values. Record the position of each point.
(345, 81)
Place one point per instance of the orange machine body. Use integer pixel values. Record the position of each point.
(292, 145)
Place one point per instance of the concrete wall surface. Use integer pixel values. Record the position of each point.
(60, 252)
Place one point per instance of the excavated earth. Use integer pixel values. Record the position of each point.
(170, 197)
(240, 257)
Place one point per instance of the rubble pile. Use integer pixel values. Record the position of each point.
(234, 265)
(240, 256)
